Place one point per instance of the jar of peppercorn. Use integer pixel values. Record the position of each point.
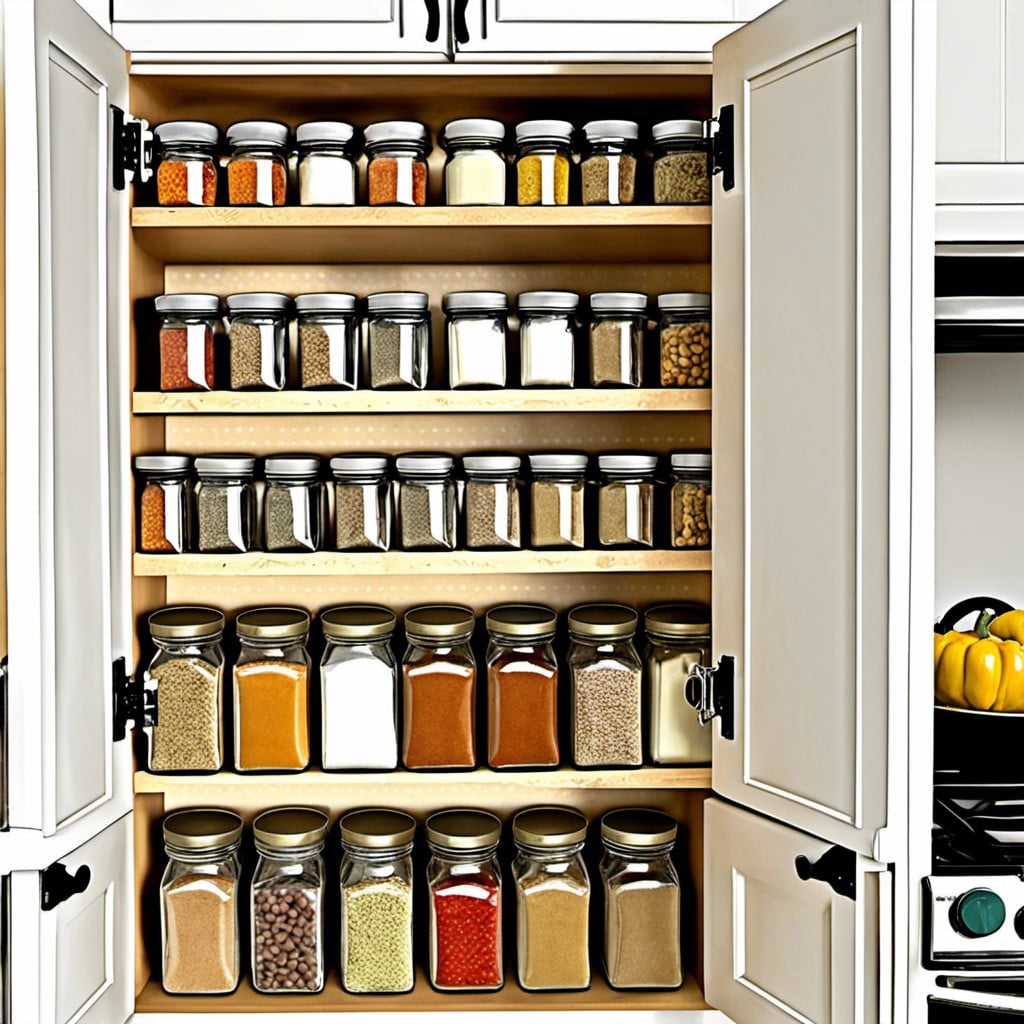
(164, 506)
(397, 163)
(187, 323)
(465, 901)
(258, 167)
(186, 174)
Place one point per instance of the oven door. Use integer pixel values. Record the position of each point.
(978, 999)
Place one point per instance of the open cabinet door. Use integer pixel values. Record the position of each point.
(66, 319)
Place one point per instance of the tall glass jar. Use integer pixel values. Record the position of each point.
(292, 503)
(225, 503)
(327, 163)
(439, 692)
(199, 902)
(362, 506)
(491, 501)
(543, 158)
(465, 901)
(608, 169)
(556, 499)
(474, 173)
(547, 339)
(258, 166)
(642, 926)
(187, 324)
(186, 172)
(605, 672)
(397, 163)
(477, 329)
(398, 339)
(684, 335)
(165, 505)
(258, 340)
(681, 172)
(358, 689)
(328, 329)
(271, 690)
(426, 502)
(691, 499)
(287, 909)
(377, 901)
(552, 899)
(617, 325)
(678, 638)
(522, 687)
(625, 499)
(184, 723)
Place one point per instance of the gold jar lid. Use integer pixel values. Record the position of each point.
(549, 827)
(204, 828)
(525, 621)
(377, 828)
(273, 624)
(638, 826)
(440, 622)
(679, 620)
(289, 828)
(603, 621)
(186, 623)
(463, 829)
(358, 622)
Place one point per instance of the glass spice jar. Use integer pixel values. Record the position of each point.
(377, 901)
(287, 907)
(199, 902)
(362, 506)
(681, 172)
(642, 925)
(327, 163)
(552, 899)
(165, 520)
(328, 330)
(292, 503)
(617, 324)
(258, 340)
(358, 689)
(605, 672)
(225, 503)
(547, 338)
(474, 173)
(544, 152)
(186, 171)
(439, 698)
(625, 499)
(184, 721)
(187, 324)
(684, 334)
(398, 339)
(477, 329)
(608, 168)
(271, 690)
(258, 165)
(522, 687)
(397, 163)
(556, 500)
(491, 502)
(691, 499)
(426, 499)
(464, 881)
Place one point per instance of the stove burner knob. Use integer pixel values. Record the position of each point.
(977, 913)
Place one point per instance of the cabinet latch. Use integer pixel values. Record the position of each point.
(133, 149)
(837, 867)
(57, 884)
(721, 149)
(710, 691)
(130, 705)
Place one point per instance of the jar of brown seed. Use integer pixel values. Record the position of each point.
(556, 499)
(362, 509)
(292, 503)
(225, 503)
(491, 501)
(691, 499)
(257, 340)
(684, 333)
(328, 331)
(398, 339)
(681, 172)
(608, 169)
(618, 321)
(625, 500)
(426, 502)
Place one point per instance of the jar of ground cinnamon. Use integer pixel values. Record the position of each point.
(397, 163)
(164, 505)
(186, 173)
(258, 167)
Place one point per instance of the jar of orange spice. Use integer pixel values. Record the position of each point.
(164, 519)
(258, 167)
(186, 174)
(187, 324)
(397, 167)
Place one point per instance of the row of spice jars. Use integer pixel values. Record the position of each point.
(614, 697)
(395, 332)
(201, 897)
(424, 507)
(327, 154)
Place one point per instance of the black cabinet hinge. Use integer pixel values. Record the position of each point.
(722, 148)
(711, 691)
(57, 884)
(837, 867)
(129, 702)
(132, 140)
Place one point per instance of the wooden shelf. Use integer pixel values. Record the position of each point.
(403, 563)
(428, 234)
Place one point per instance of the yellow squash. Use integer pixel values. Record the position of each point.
(979, 670)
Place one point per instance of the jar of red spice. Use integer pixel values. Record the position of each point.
(187, 324)
(397, 163)
(164, 507)
(258, 167)
(465, 901)
(186, 174)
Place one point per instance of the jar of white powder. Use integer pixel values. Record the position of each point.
(327, 163)
(474, 174)
(477, 332)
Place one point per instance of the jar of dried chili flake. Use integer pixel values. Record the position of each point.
(186, 174)
(397, 163)
(187, 324)
(164, 503)
(258, 167)
(465, 901)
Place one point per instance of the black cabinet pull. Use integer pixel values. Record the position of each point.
(58, 884)
(836, 867)
(433, 20)
(461, 28)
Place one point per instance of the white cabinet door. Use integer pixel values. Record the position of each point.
(68, 518)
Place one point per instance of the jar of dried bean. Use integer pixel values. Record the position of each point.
(642, 924)
(292, 503)
(165, 507)
(271, 690)
(362, 506)
(258, 166)
(287, 909)
(625, 499)
(691, 499)
(397, 163)
(477, 329)
(398, 339)
(491, 501)
(199, 902)
(605, 672)
(552, 899)
(547, 338)
(465, 901)
(184, 721)
(544, 153)
(681, 172)
(426, 502)
(617, 324)
(187, 323)
(327, 163)
(608, 170)
(186, 172)
(328, 331)
(376, 901)
(439, 698)
(474, 173)
(258, 340)
(556, 500)
(225, 503)
(684, 332)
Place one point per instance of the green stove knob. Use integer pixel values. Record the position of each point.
(978, 912)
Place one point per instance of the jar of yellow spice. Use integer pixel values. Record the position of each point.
(544, 149)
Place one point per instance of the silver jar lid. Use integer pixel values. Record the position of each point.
(627, 462)
(463, 829)
(290, 828)
(688, 618)
(611, 131)
(324, 131)
(298, 467)
(497, 301)
(358, 622)
(558, 462)
(491, 463)
(690, 460)
(171, 464)
(272, 624)
(440, 622)
(383, 132)
(385, 302)
(678, 129)
(377, 829)
(201, 132)
(326, 302)
(522, 621)
(247, 133)
(603, 621)
(631, 302)
(424, 464)
(225, 465)
(358, 465)
(186, 623)
(685, 300)
(549, 827)
(565, 302)
(204, 828)
(543, 130)
(486, 129)
(637, 826)
(263, 302)
(187, 303)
